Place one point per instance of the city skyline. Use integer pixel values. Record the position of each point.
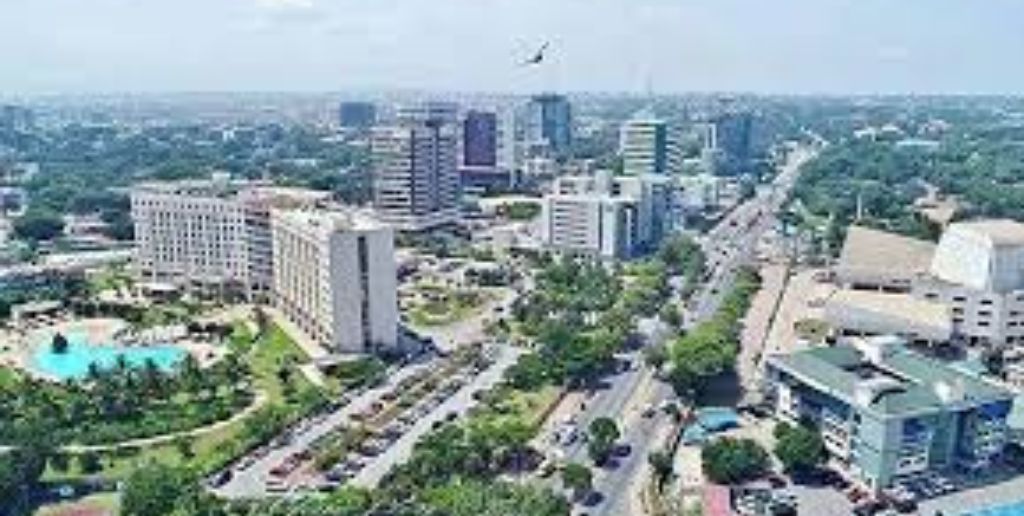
(799, 47)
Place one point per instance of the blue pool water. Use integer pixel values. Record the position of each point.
(1014, 509)
(74, 364)
(709, 420)
(717, 419)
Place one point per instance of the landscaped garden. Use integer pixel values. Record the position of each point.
(438, 305)
(199, 418)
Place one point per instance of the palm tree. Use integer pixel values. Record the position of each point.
(94, 374)
(152, 378)
(60, 343)
(191, 375)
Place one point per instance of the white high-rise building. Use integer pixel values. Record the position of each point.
(210, 236)
(416, 178)
(335, 279)
(612, 217)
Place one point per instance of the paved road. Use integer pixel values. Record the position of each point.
(728, 245)
(459, 403)
(251, 481)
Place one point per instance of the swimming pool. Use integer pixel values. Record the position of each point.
(75, 362)
(1013, 509)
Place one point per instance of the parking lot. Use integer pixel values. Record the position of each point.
(369, 431)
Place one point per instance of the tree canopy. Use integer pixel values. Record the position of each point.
(799, 448)
(733, 461)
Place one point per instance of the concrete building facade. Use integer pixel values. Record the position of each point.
(611, 217)
(210, 235)
(416, 178)
(889, 415)
(976, 271)
(335, 279)
(549, 123)
(644, 146)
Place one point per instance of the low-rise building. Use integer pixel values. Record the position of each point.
(852, 312)
(611, 217)
(887, 413)
(976, 271)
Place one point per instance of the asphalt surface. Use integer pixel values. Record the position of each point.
(728, 245)
(458, 403)
(250, 482)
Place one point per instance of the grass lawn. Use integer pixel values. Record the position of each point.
(214, 449)
(7, 376)
(531, 407)
(446, 306)
(814, 330)
(103, 504)
(534, 406)
(108, 279)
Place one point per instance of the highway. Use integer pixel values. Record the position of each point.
(727, 246)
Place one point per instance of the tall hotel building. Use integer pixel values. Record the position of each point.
(416, 178)
(210, 236)
(335, 279)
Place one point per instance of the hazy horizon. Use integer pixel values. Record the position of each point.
(797, 47)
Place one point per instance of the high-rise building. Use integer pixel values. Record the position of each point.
(644, 146)
(549, 123)
(335, 279)
(733, 139)
(416, 178)
(487, 154)
(357, 115)
(480, 139)
(210, 235)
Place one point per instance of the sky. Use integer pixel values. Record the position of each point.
(661, 46)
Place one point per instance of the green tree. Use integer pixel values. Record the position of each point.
(59, 343)
(20, 470)
(89, 462)
(603, 434)
(155, 489)
(184, 446)
(669, 314)
(733, 461)
(578, 478)
(799, 448)
(38, 225)
(661, 464)
(476, 498)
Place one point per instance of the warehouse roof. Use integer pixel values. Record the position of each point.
(872, 249)
(885, 313)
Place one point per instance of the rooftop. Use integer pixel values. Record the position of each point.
(872, 249)
(882, 375)
(984, 255)
(889, 313)
(996, 232)
(326, 222)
